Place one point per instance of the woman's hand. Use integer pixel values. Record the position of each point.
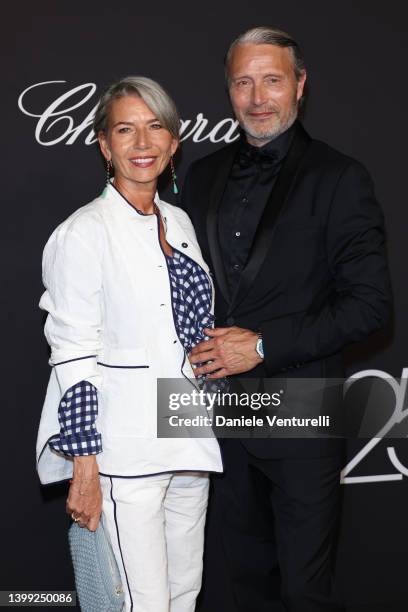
(84, 501)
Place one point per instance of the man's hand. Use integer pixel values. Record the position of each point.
(231, 350)
(84, 502)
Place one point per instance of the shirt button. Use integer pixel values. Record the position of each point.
(236, 266)
(237, 234)
(244, 200)
(184, 245)
(230, 321)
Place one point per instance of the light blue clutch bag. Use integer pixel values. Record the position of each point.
(97, 579)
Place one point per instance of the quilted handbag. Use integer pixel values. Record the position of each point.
(97, 579)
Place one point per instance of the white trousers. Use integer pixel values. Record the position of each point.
(156, 527)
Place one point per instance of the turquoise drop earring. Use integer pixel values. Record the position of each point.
(173, 176)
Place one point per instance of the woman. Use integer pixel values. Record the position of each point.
(128, 294)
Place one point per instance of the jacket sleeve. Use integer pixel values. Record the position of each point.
(72, 276)
(359, 299)
(77, 414)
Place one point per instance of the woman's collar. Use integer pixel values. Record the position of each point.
(114, 193)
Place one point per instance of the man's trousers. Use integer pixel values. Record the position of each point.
(271, 533)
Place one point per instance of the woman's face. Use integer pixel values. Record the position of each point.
(136, 142)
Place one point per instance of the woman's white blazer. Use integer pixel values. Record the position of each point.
(111, 322)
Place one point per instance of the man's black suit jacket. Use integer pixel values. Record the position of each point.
(316, 279)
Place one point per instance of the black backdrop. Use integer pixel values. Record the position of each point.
(356, 58)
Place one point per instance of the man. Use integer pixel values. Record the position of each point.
(294, 236)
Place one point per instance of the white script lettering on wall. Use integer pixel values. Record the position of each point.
(55, 123)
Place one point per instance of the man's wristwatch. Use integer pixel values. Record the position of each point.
(259, 346)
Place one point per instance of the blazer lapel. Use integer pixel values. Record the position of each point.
(276, 201)
(216, 195)
(177, 237)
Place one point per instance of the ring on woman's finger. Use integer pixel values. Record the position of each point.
(74, 518)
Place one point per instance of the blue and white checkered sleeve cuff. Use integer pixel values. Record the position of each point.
(77, 414)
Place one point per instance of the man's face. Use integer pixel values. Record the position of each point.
(264, 90)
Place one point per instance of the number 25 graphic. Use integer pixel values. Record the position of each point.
(398, 415)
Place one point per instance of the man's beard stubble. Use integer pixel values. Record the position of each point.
(268, 134)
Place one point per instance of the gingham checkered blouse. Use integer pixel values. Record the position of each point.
(191, 294)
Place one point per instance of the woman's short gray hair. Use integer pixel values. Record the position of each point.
(265, 35)
(153, 94)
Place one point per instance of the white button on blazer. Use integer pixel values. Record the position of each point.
(108, 298)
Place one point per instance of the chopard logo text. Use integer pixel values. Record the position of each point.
(55, 124)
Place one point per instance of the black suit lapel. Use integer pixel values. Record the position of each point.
(216, 194)
(273, 207)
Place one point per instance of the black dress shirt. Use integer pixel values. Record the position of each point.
(250, 183)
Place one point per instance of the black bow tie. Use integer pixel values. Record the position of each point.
(251, 156)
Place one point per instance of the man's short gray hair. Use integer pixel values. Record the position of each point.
(153, 94)
(265, 35)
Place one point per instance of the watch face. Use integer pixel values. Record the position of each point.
(259, 348)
